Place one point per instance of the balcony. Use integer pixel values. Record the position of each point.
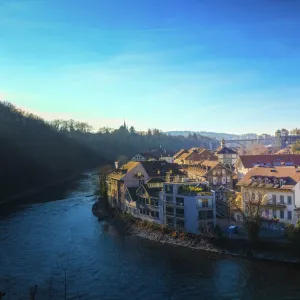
(179, 216)
(192, 190)
(170, 214)
(269, 203)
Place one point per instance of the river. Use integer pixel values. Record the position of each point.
(57, 232)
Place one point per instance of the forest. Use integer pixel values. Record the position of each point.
(35, 152)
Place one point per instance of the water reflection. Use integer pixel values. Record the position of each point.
(39, 241)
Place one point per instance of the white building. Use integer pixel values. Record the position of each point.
(277, 188)
(189, 206)
(169, 159)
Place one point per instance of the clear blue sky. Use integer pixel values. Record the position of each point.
(215, 65)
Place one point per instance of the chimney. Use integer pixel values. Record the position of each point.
(117, 165)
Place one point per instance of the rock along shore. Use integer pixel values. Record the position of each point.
(174, 238)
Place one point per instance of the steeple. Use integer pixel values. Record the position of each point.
(223, 143)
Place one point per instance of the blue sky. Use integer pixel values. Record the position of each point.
(215, 65)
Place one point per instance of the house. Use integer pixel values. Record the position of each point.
(226, 155)
(149, 203)
(154, 154)
(277, 188)
(215, 173)
(246, 162)
(189, 206)
(220, 179)
(143, 157)
(134, 174)
(180, 152)
(131, 174)
(194, 156)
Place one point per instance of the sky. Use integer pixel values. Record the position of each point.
(214, 65)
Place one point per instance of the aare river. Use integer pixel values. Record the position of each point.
(56, 234)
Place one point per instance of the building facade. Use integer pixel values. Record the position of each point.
(226, 155)
(189, 206)
(276, 189)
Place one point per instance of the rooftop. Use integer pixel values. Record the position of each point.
(249, 161)
(271, 177)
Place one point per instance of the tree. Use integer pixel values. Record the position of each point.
(296, 148)
(149, 133)
(103, 186)
(132, 130)
(251, 208)
(295, 131)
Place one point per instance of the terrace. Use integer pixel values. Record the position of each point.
(194, 190)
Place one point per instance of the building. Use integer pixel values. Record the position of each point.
(193, 156)
(277, 188)
(134, 174)
(149, 202)
(246, 162)
(226, 155)
(154, 154)
(189, 206)
(215, 173)
(169, 159)
(220, 179)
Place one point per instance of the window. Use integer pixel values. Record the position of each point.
(289, 200)
(274, 199)
(266, 212)
(170, 210)
(215, 180)
(180, 201)
(180, 224)
(205, 203)
(223, 171)
(228, 179)
(289, 215)
(282, 214)
(169, 199)
(274, 213)
(281, 199)
(169, 189)
(224, 180)
(206, 214)
(180, 213)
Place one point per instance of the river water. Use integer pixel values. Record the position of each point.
(41, 241)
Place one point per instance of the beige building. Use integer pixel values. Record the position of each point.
(226, 155)
(278, 188)
(193, 156)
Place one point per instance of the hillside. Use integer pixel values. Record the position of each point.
(215, 135)
(34, 155)
(123, 143)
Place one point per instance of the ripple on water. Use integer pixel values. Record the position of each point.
(39, 241)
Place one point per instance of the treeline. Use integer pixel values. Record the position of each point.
(124, 142)
(33, 154)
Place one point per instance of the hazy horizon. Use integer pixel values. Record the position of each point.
(173, 65)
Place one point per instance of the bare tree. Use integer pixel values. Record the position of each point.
(251, 208)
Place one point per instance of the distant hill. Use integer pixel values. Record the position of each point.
(33, 154)
(215, 135)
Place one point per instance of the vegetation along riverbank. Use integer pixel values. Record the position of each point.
(271, 251)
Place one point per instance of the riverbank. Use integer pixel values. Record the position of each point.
(225, 246)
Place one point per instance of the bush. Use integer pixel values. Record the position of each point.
(253, 229)
(218, 231)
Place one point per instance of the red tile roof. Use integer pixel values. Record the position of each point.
(290, 176)
(249, 161)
